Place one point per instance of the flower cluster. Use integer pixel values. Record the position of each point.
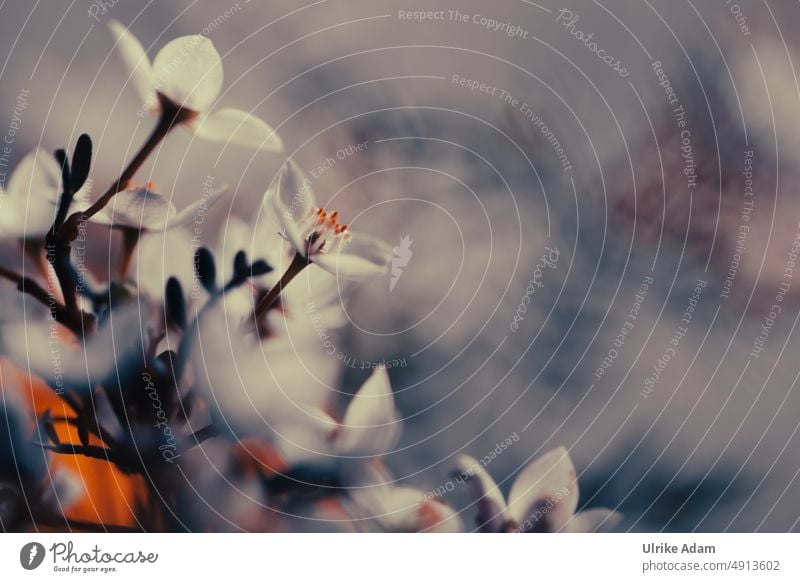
(131, 399)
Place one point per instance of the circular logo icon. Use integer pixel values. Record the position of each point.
(31, 555)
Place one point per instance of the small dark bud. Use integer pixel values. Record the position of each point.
(167, 383)
(206, 269)
(61, 158)
(81, 162)
(240, 264)
(175, 304)
(259, 268)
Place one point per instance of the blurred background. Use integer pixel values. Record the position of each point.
(653, 163)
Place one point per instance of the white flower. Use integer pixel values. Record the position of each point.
(371, 426)
(118, 344)
(187, 72)
(313, 299)
(543, 498)
(397, 508)
(28, 207)
(145, 210)
(253, 387)
(160, 256)
(370, 429)
(317, 235)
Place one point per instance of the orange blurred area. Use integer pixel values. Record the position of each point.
(109, 496)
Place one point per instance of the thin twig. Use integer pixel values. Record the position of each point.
(91, 451)
(299, 262)
(29, 286)
(200, 436)
(171, 116)
(130, 238)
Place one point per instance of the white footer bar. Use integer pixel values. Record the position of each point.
(406, 557)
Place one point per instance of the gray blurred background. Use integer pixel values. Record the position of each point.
(480, 190)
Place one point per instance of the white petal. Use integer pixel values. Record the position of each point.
(196, 209)
(546, 489)
(371, 426)
(289, 227)
(317, 296)
(396, 508)
(267, 238)
(137, 64)
(253, 388)
(488, 498)
(237, 303)
(294, 190)
(239, 128)
(32, 196)
(10, 216)
(364, 257)
(117, 343)
(267, 224)
(137, 208)
(188, 70)
(307, 440)
(292, 200)
(402, 509)
(120, 341)
(38, 173)
(593, 520)
(391, 508)
(165, 255)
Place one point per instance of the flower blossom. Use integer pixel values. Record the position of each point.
(38, 348)
(186, 76)
(543, 498)
(252, 387)
(354, 449)
(314, 299)
(144, 210)
(318, 236)
(28, 207)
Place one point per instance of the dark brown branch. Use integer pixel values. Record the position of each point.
(200, 436)
(58, 254)
(171, 116)
(295, 268)
(29, 286)
(76, 321)
(130, 238)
